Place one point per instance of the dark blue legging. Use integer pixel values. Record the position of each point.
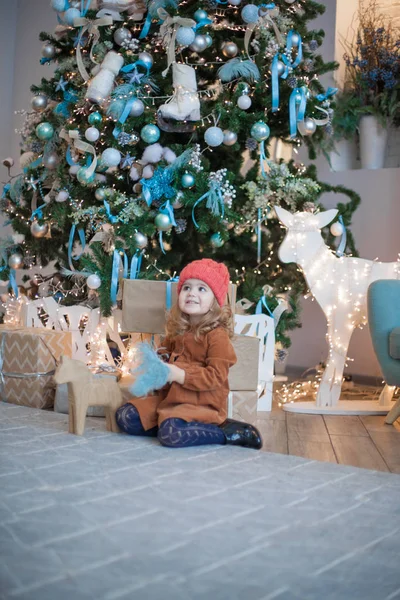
(174, 433)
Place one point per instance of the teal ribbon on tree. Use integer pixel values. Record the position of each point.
(37, 213)
(202, 23)
(342, 246)
(6, 189)
(82, 240)
(136, 264)
(296, 110)
(331, 91)
(275, 78)
(215, 201)
(168, 292)
(12, 279)
(110, 217)
(115, 272)
(263, 303)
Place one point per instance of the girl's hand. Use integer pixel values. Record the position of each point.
(176, 374)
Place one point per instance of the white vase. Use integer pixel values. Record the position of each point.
(344, 156)
(373, 142)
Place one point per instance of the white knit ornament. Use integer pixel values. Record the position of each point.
(100, 87)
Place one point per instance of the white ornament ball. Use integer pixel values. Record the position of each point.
(74, 169)
(111, 157)
(16, 261)
(62, 196)
(244, 102)
(93, 282)
(137, 108)
(70, 15)
(185, 36)
(214, 136)
(337, 229)
(307, 127)
(92, 134)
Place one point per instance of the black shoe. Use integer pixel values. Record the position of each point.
(241, 434)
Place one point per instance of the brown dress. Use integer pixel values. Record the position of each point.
(203, 396)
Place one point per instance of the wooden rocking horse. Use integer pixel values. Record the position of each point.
(85, 390)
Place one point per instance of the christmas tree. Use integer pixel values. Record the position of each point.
(149, 147)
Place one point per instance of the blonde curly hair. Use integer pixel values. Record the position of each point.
(178, 322)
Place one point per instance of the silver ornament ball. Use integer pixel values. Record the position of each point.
(163, 222)
(62, 196)
(295, 39)
(199, 43)
(39, 231)
(280, 67)
(307, 127)
(39, 102)
(244, 102)
(209, 39)
(230, 138)
(16, 261)
(187, 180)
(230, 49)
(134, 139)
(121, 35)
(48, 51)
(51, 160)
(147, 58)
(140, 240)
(100, 194)
(235, 2)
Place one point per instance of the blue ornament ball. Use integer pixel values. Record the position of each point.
(200, 14)
(95, 118)
(84, 177)
(150, 134)
(44, 131)
(185, 36)
(250, 13)
(111, 157)
(59, 5)
(260, 131)
(187, 180)
(209, 39)
(163, 222)
(70, 15)
(216, 241)
(214, 136)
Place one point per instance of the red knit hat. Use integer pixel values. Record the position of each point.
(214, 274)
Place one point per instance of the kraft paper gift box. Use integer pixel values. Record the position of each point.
(144, 304)
(28, 359)
(244, 405)
(244, 374)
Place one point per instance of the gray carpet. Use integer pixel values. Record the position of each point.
(108, 516)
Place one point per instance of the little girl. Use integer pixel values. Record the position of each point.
(191, 409)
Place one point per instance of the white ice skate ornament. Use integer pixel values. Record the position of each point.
(134, 8)
(184, 105)
(100, 87)
(338, 284)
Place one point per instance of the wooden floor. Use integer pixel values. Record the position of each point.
(364, 441)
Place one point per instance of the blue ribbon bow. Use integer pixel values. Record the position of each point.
(82, 240)
(38, 213)
(342, 246)
(331, 91)
(110, 217)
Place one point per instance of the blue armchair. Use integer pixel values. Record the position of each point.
(384, 324)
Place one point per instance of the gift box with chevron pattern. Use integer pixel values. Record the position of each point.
(27, 362)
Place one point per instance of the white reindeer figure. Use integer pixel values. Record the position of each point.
(339, 285)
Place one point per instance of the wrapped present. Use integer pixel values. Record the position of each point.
(244, 374)
(27, 362)
(242, 405)
(61, 404)
(145, 303)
